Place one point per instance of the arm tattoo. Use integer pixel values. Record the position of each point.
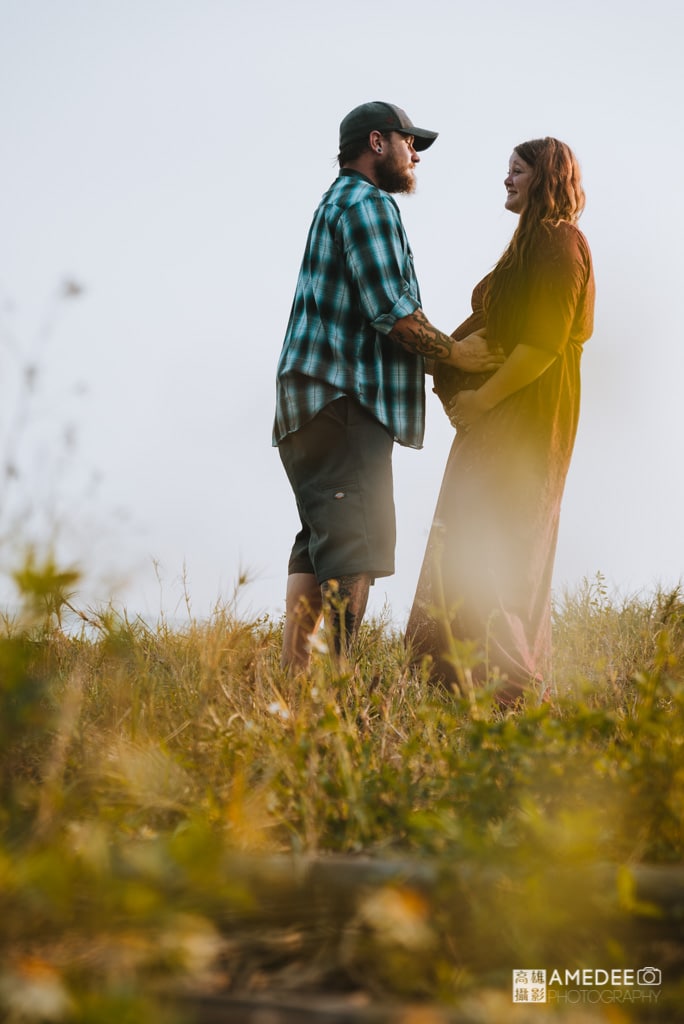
(420, 336)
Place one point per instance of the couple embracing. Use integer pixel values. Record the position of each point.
(351, 383)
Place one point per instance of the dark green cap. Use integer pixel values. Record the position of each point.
(382, 117)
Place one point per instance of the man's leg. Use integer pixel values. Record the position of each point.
(344, 605)
(340, 468)
(303, 605)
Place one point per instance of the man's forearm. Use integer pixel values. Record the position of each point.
(416, 333)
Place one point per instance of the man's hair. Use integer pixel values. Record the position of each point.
(555, 194)
(352, 151)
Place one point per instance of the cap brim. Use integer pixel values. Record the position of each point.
(422, 138)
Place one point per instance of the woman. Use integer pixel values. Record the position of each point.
(486, 576)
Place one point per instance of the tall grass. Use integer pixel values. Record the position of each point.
(160, 787)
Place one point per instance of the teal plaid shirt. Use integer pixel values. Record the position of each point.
(356, 280)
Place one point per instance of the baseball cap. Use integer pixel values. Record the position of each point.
(382, 117)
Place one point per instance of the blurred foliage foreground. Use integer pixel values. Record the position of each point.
(183, 829)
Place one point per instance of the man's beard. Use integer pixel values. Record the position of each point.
(390, 177)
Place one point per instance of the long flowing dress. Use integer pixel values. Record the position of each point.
(486, 576)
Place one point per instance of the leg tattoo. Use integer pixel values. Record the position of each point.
(345, 600)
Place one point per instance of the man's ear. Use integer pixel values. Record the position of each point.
(375, 141)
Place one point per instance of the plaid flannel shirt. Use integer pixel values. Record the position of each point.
(356, 280)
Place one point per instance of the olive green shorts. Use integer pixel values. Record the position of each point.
(339, 465)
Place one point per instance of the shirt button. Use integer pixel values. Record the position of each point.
(340, 494)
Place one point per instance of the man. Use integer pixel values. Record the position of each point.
(350, 379)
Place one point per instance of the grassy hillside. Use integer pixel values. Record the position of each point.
(166, 791)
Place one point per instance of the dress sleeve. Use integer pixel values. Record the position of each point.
(380, 262)
(559, 270)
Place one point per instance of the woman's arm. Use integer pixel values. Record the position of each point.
(559, 273)
(522, 367)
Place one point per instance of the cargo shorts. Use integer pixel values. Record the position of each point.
(339, 465)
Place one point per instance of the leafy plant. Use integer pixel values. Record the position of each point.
(157, 784)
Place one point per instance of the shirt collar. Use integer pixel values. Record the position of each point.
(348, 172)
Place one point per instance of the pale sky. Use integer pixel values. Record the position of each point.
(168, 156)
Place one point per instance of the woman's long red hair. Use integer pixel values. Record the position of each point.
(555, 194)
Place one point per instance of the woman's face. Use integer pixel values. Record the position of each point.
(517, 183)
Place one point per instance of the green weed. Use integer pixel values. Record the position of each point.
(165, 793)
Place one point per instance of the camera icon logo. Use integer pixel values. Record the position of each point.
(649, 976)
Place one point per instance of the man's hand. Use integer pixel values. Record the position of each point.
(473, 355)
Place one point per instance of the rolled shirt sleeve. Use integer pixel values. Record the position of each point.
(380, 262)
